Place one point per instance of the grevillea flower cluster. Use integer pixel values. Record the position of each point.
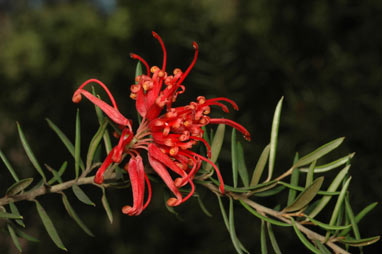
(167, 133)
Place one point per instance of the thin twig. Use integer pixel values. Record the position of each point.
(44, 189)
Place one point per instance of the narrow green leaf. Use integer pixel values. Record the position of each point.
(19, 186)
(29, 153)
(322, 247)
(242, 168)
(203, 207)
(95, 142)
(239, 247)
(341, 218)
(306, 196)
(359, 216)
(62, 136)
(293, 182)
(74, 215)
(260, 166)
(15, 240)
(303, 239)
(234, 158)
(15, 211)
(274, 134)
(365, 211)
(48, 224)
(332, 188)
(339, 202)
(299, 188)
(329, 166)
(259, 187)
(138, 70)
(81, 195)
(77, 145)
(101, 119)
(205, 135)
(262, 217)
(9, 166)
(212, 133)
(106, 205)
(37, 185)
(107, 141)
(263, 187)
(360, 242)
(263, 238)
(236, 242)
(273, 240)
(57, 174)
(224, 214)
(216, 145)
(99, 112)
(269, 192)
(6, 215)
(26, 236)
(327, 226)
(68, 144)
(350, 215)
(309, 176)
(319, 152)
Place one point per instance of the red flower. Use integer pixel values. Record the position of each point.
(168, 137)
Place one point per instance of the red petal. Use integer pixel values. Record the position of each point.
(125, 138)
(205, 143)
(161, 170)
(135, 56)
(111, 112)
(179, 182)
(153, 111)
(103, 86)
(233, 124)
(157, 154)
(98, 178)
(196, 47)
(156, 36)
(149, 192)
(213, 165)
(234, 105)
(140, 103)
(137, 180)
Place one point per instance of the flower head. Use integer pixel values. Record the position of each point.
(167, 133)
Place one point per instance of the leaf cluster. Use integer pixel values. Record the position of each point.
(305, 202)
(305, 184)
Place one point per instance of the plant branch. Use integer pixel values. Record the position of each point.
(281, 216)
(45, 189)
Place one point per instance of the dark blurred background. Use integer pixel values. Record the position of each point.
(323, 56)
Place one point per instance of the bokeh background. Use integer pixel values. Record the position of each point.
(323, 56)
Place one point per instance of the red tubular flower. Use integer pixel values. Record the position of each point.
(167, 137)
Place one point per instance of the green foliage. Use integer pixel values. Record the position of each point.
(81, 195)
(77, 145)
(308, 51)
(106, 206)
(50, 228)
(298, 211)
(74, 215)
(29, 153)
(306, 196)
(19, 186)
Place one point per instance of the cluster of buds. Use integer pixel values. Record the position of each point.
(167, 133)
